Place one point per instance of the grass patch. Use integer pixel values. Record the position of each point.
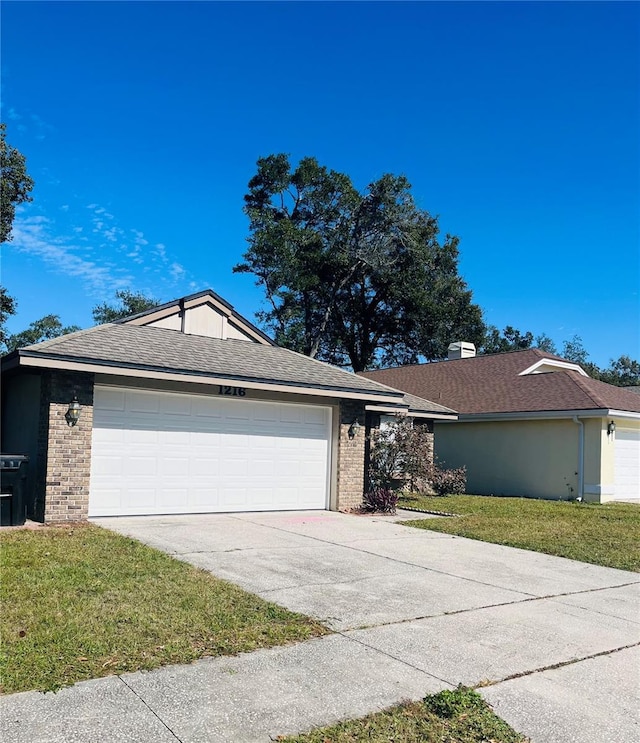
(458, 716)
(603, 534)
(82, 602)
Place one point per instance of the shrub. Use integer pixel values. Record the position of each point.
(401, 452)
(380, 500)
(448, 482)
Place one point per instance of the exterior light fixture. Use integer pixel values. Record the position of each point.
(611, 428)
(353, 429)
(73, 413)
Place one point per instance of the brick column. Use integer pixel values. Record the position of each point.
(64, 452)
(351, 454)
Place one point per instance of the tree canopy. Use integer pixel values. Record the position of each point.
(50, 326)
(127, 303)
(623, 372)
(15, 184)
(7, 308)
(44, 329)
(353, 278)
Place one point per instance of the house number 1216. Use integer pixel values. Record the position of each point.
(232, 391)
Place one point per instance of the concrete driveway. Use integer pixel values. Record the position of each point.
(555, 643)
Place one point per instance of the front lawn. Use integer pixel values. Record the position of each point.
(81, 602)
(458, 716)
(607, 534)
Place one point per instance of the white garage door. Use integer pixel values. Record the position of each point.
(161, 452)
(627, 464)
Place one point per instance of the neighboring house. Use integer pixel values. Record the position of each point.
(188, 408)
(530, 424)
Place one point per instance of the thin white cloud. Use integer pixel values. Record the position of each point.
(34, 236)
(177, 271)
(94, 249)
(30, 122)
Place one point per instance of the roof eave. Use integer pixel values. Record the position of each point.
(536, 415)
(100, 366)
(411, 412)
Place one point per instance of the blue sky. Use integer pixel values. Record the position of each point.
(516, 123)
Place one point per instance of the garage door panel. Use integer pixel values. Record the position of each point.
(266, 414)
(204, 467)
(158, 452)
(136, 466)
(106, 466)
(207, 407)
(627, 464)
(315, 416)
(142, 402)
(137, 497)
(112, 399)
(173, 498)
(175, 405)
(205, 497)
(263, 468)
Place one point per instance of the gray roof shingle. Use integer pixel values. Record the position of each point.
(160, 349)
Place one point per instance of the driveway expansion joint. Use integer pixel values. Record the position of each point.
(554, 666)
(470, 609)
(150, 708)
(394, 657)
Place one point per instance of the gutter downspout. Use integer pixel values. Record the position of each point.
(580, 497)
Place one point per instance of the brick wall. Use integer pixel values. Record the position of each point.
(64, 452)
(351, 456)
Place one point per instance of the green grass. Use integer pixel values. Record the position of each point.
(82, 602)
(607, 534)
(459, 716)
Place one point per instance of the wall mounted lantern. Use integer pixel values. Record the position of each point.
(611, 428)
(73, 413)
(353, 429)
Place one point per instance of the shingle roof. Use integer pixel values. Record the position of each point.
(160, 349)
(491, 384)
(420, 405)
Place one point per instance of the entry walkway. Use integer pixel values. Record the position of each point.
(554, 643)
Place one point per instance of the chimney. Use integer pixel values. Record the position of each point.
(461, 350)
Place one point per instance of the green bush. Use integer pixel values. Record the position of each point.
(448, 481)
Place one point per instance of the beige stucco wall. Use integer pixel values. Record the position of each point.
(535, 458)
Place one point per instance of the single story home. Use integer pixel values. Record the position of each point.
(188, 408)
(530, 424)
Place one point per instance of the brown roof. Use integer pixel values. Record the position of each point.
(491, 384)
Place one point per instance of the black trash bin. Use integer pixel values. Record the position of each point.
(13, 476)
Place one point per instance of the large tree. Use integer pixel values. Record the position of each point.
(15, 184)
(510, 339)
(625, 372)
(127, 303)
(353, 278)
